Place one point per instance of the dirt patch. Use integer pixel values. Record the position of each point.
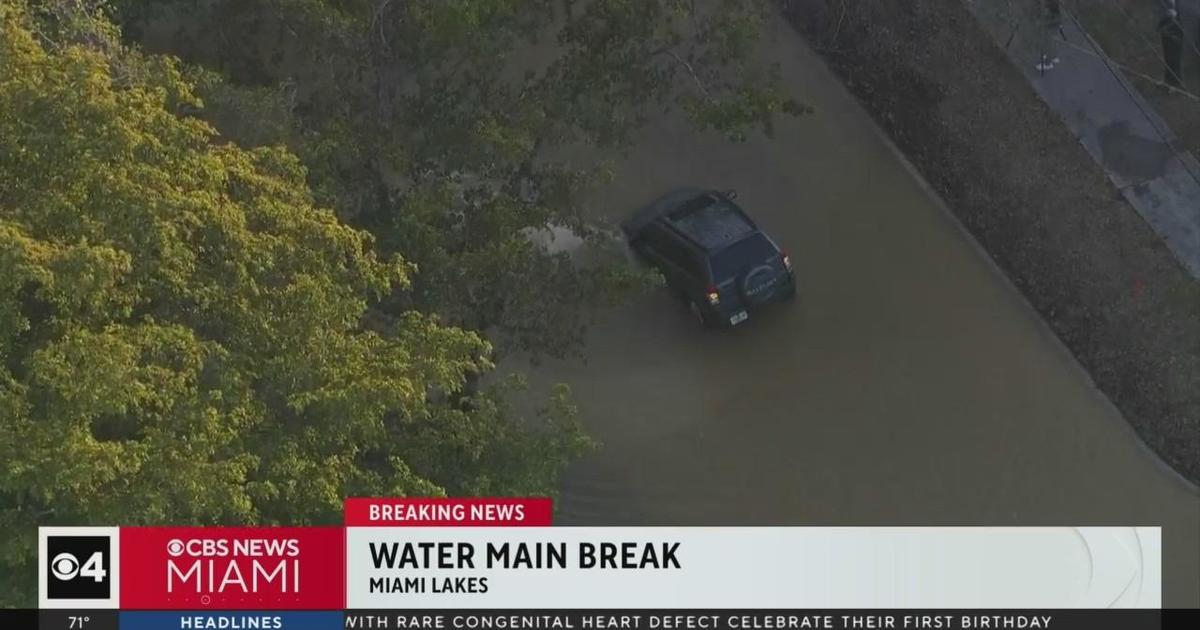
(1034, 199)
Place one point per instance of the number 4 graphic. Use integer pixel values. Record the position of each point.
(94, 568)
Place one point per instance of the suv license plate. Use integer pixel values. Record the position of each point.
(738, 318)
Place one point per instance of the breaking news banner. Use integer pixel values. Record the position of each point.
(499, 564)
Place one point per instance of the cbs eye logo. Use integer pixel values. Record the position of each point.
(78, 567)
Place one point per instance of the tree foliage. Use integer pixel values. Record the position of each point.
(182, 329)
(239, 288)
(443, 126)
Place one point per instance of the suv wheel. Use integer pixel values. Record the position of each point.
(755, 282)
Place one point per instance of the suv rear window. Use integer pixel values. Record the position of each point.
(748, 252)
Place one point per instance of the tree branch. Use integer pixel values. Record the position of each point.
(687, 66)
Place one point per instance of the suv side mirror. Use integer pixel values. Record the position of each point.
(730, 194)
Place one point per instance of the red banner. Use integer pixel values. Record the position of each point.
(445, 512)
(233, 568)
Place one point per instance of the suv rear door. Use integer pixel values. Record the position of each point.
(751, 269)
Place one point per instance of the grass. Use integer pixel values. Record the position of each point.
(1127, 31)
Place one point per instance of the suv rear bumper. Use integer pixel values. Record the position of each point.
(721, 316)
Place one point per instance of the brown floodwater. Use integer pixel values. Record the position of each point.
(909, 384)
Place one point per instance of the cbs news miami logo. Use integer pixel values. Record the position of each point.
(192, 568)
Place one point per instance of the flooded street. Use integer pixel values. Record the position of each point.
(908, 385)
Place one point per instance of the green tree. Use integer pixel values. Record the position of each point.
(440, 125)
(186, 337)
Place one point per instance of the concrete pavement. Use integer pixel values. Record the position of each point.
(910, 384)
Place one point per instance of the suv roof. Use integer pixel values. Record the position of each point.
(710, 221)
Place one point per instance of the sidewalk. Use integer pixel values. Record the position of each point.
(1113, 122)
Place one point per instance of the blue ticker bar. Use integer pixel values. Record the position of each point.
(231, 620)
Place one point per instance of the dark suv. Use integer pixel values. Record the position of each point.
(712, 254)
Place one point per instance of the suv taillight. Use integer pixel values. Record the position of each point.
(787, 261)
(714, 297)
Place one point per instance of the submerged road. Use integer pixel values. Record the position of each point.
(909, 384)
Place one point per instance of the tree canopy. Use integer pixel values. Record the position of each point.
(259, 256)
(186, 336)
(442, 126)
